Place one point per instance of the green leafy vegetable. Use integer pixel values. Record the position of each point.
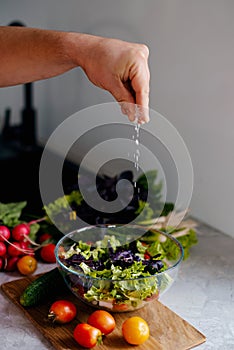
(10, 213)
(157, 248)
(148, 211)
(34, 228)
(148, 183)
(63, 203)
(187, 241)
(116, 279)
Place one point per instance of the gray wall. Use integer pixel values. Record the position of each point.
(192, 79)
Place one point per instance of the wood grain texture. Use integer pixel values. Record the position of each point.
(168, 331)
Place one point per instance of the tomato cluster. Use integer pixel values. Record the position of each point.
(89, 334)
(135, 330)
(17, 251)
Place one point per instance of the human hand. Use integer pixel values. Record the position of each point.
(120, 68)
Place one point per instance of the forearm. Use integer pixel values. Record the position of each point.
(28, 54)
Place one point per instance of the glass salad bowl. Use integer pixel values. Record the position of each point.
(118, 268)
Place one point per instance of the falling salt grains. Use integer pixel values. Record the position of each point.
(137, 129)
(137, 154)
(135, 137)
(137, 159)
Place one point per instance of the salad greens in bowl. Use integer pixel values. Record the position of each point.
(118, 268)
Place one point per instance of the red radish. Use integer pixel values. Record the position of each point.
(11, 264)
(3, 249)
(30, 251)
(20, 231)
(14, 249)
(24, 245)
(4, 233)
(27, 249)
(1, 263)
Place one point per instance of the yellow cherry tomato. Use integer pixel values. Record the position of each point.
(27, 265)
(135, 330)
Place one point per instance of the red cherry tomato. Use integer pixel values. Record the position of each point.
(147, 256)
(120, 307)
(27, 265)
(47, 253)
(102, 320)
(87, 335)
(4, 233)
(20, 231)
(62, 311)
(44, 237)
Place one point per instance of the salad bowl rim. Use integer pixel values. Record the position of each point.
(80, 274)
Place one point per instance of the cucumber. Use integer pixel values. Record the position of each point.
(42, 288)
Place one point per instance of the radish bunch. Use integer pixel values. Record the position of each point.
(16, 243)
(13, 245)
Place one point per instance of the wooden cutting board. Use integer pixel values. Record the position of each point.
(168, 331)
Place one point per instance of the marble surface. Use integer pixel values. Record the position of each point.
(203, 295)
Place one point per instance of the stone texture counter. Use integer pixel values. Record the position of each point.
(203, 295)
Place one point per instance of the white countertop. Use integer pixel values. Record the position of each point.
(203, 295)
